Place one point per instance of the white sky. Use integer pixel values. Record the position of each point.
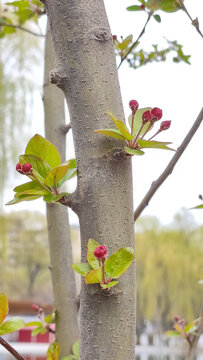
(178, 90)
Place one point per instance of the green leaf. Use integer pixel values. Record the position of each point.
(111, 284)
(24, 15)
(82, 268)
(157, 18)
(11, 326)
(134, 8)
(69, 357)
(190, 328)
(154, 144)
(39, 330)
(123, 45)
(94, 276)
(138, 121)
(3, 307)
(53, 351)
(21, 198)
(29, 186)
(172, 333)
(119, 262)
(91, 258)
(133, 151)
(52, 198)
(164, 5)
(44, 149)
(71, 172)
(198, 207)
(33, 323)
(56, 174)
(51, 318)
(112, 133)
(20, 4)
(40, 166)
(76, 349)
(121, 127)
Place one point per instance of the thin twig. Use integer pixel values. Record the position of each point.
(11, 349)
(21, 28)
(195, 22)
(168, 170)
(136, 41)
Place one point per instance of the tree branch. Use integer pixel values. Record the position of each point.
(21, 28)
(136, 41)
(11, 349)
(168, 170)
(195, 22)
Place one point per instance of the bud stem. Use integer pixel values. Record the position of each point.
(133, 118)
(135, 140)
(155, 134)
(149, 127)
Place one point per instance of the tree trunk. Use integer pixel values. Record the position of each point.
(63, 279)
(86, 72)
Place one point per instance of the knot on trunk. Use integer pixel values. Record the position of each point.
(57, 78)
(101, 34)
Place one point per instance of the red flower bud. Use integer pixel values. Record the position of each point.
(176, 318)
(100, 251)
(19, 168)
(133, 105)
(35, 307)
(26, 168)
(146, 116)
(114, 37)
(157, 113)
(165, 125)
(142, 6)
(181, 322)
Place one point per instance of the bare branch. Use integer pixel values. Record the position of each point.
(136, 41)
(21, 28)
(12, 351)
(195, 22)
(168, 170)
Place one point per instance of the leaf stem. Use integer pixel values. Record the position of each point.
(10, 349)
(137, 40)
(195, 22)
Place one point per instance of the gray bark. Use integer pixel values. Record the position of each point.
(63, 279)
(86, 72)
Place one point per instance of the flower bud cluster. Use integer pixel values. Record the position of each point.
(24, 169)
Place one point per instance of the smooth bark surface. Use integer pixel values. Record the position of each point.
(86, 72)
(63, 279)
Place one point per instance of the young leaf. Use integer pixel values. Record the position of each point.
(33, 323)
(38, 164)
(56, 174)
(198, 207)
(111, 284)
(71, 172)
(133, 151)
(39, 330)
(76, 349)
(44, 149)
(111, 133)
(157, 18)
(172, 333)
(190, 328)
(53, 351)
(94, 276)
(51, 318)
(134, 8)
(154, 144)
(20, 198)
(31, 185)
(123, 45)
(11, 326)
(82, 268)
(119, 262)
(138, 121)
(3, 307)
(52, 198)
(121, 127)
(92, 260)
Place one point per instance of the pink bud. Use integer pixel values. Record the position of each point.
(181, 322)
(114, 37)
(19, 168)
(35, 307)
(142, 6)
(157, 113)
(146, 116)
(100, 251)
(26, 168)
(176, 318)
(165, 125)
(133, 105)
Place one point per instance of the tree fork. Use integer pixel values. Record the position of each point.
(86, 72)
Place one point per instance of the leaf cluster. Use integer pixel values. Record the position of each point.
(48, 174)
(9, 326)
(115, 266)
